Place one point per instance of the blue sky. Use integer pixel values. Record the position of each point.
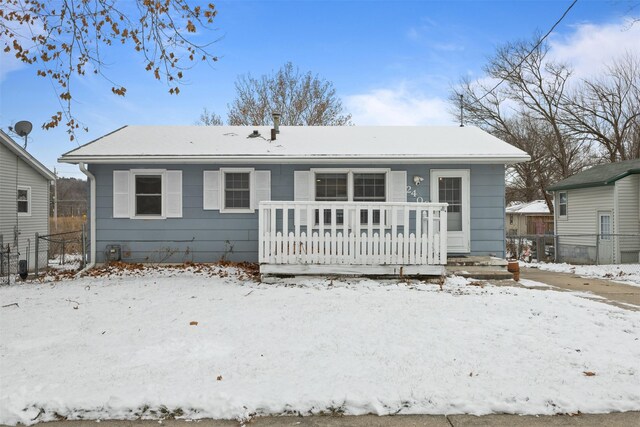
(391, 62)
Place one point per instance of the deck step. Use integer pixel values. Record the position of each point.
(476, 261)
(480, 272)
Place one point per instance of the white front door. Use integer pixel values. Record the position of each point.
(605, 241)
(452, 186)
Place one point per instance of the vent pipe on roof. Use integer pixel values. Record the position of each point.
(276, 121)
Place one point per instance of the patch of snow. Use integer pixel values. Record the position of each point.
(126, 346)
(533, 284)
(628, 274)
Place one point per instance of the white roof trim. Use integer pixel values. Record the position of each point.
(13, 146)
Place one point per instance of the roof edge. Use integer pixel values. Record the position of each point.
(608, 182)
(92, 141)
(496, 159)
(24, 154)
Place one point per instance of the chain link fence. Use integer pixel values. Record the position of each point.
(60, 251)
(8, 263)
(622, 250)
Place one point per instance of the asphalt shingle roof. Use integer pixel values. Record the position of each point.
(598, 175)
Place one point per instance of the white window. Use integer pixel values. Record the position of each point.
(450, 191)
(235, 190)
(356, 185)
(359, 185)
(24, 201)
(147, 194)
(563, 203)
(605, 227)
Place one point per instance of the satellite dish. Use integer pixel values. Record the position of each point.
(23, 128)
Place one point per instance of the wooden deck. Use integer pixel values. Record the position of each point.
(352, 238)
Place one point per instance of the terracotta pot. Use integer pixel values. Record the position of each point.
(514, 267)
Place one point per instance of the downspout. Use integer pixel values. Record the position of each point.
(92, 214)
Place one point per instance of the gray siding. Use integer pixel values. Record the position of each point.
(38, 221)
(206, 235)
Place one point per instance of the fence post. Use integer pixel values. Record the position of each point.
(84, 247)
(37, 252)
(597, 249)
(539, 248)
(556, 248)
(62, 259)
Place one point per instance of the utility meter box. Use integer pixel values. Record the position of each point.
(113, 253)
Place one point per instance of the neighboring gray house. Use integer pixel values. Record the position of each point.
(597, 214)
(314, 199)
(24, 198)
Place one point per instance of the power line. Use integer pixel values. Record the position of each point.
(528, 54)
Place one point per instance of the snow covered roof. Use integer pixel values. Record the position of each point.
(13, 146)
(528, 208)
(193, 144)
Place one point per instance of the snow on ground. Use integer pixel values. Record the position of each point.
(70, 262)
(124, 345)
(532, 284)
(628, 274)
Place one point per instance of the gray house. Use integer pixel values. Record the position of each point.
(297, 199)
(24, 198)
(597, 215)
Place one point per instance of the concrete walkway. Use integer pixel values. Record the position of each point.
(617, 419)
(620, 295)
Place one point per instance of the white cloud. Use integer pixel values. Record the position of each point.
(398, 106)
(590, 48)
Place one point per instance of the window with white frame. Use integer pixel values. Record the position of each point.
(148, 195)
(354, 186)
(563, 203)
(237, 190)
(24, 201)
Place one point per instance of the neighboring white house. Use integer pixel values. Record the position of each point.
(24, 199)
(597, 214)
(528, 218)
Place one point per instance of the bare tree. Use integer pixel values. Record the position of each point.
(525, 110)
(62, 39)
(209, 118)
(606, 110)
(302, 99)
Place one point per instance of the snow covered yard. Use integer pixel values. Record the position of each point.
(628, 274)
(126, 345)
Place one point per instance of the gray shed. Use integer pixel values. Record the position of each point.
(24, 198)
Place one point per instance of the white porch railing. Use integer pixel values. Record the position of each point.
(352, 233)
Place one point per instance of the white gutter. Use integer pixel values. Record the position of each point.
(92, 215)
(404, 159)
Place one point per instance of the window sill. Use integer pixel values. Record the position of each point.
(149, 217)
(237, 210)
(24, 214)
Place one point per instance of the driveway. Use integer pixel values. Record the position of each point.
(625, 296)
